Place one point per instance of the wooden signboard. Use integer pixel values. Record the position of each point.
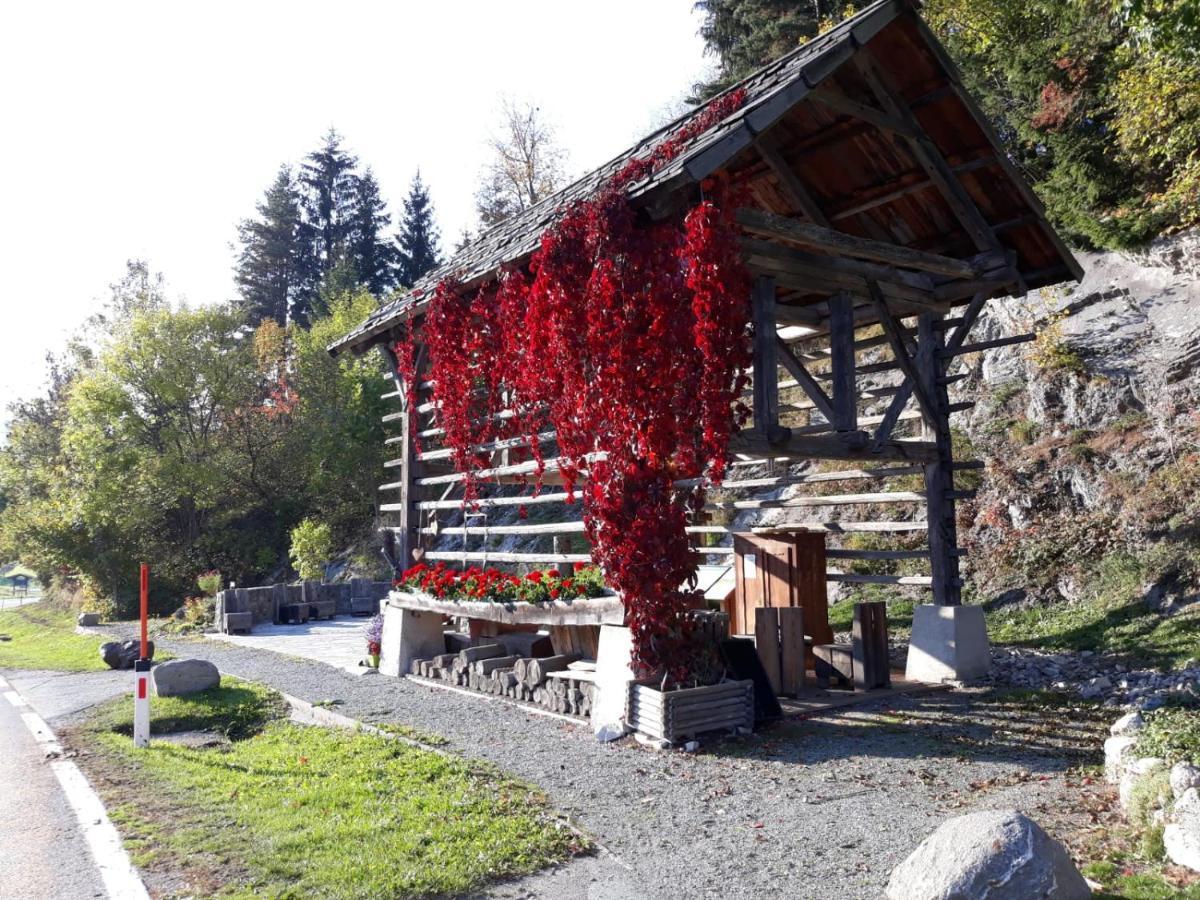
(781, 570)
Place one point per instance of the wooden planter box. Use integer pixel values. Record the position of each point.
(674, 715)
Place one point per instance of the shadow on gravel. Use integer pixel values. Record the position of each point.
(1046, 732)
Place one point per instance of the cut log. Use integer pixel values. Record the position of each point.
(536, 670)
(483, 651)
(488, 666)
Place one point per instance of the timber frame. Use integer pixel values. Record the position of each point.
(880, 215)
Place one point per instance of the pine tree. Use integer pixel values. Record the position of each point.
(327, 177)
(374, 256)
(272, 269)
(746, 34)
(418, 237)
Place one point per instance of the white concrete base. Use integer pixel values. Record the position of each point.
(949, 643)
(408, 635)
(614, 671)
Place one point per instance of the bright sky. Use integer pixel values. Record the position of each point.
(149, 129)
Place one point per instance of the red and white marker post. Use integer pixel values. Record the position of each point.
(141, 673)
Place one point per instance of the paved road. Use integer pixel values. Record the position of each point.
(14, 602)
(43, 852)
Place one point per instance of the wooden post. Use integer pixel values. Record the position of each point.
(841, 346)
(766, 362)
(406, 533)
(939, 474)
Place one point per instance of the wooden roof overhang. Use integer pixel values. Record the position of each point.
(872, 174)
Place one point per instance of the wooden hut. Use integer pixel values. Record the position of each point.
(879, 197)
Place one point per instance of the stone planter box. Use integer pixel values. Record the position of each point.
(674, 715)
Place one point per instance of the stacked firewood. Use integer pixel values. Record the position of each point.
(562, 683)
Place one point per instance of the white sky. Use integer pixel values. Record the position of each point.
(149, 129)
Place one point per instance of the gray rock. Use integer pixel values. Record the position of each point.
(1184, 777)
(1181, 837)
(184, 676)
(1135, 772)
(87, 620)
(1117, 754)
(996, 854)
(123, 654)
(1130, 723)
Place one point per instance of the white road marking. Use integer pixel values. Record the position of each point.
(121, 879)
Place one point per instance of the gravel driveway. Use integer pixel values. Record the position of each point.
(824, 807)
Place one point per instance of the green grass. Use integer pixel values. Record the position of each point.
(43, 637)
(1117, 883)
(1128, 628)
(292, 811)
(1172, 733)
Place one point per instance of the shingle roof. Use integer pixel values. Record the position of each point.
(770, 92)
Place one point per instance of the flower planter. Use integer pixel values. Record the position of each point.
(673, 715)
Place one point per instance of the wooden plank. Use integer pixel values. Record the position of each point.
(987, 345)
(880, 119)
(606, 610)
(766, 641)
(837, 242)
(939, 476)
(843, 383)
(791, 650)
(913, 580)
(498, 557)
(541, 528)
(491, 447)
(750, 443)
(869, 643)
(840, 553)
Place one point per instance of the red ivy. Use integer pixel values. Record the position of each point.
(628, 339)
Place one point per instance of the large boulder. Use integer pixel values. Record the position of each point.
(184, 676)
(1118, 754)
(998, 854)
(123, 654)
(1181, 837)
(88, 619)
(1184, 776)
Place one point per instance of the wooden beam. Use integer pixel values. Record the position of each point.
(925, 153)
(806, 381)
(789, 181)
(939, 474)
(843, 384)
(879, 118)
(901, 352)
(883, 194)
(750, 443)
(765, 349)
(830, 241)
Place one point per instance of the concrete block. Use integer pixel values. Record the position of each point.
(614, 672)
(949, 643)
(409, 635)
(237, 623)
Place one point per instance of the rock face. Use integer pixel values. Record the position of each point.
(997, 855)
(184, 676)
(87, 620)
(123, 654)
(1181, 837)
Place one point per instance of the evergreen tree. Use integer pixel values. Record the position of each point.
(328, 181)
(372, 253)
(418, 237)
(272, 269)
(746, 34)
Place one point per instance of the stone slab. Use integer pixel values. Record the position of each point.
(614, 672)
(409, 634)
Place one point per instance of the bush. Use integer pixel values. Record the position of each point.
(1172, 733)
(209, 583)
(312, 545)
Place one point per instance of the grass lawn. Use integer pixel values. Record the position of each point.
(42, 637)
(284, 810)
(1129, 628)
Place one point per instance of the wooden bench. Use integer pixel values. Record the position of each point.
(322, 609)
(238, 623)
(833, 662)
(863, 662)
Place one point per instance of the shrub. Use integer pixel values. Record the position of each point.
(312, 545)
(1023, 431)
(1172, 733)
(209, 582)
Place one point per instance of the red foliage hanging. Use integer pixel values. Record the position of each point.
(628, 339)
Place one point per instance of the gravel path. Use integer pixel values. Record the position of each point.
(822, 808)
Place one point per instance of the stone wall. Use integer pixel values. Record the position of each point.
(263, 602)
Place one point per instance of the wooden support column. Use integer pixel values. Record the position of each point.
(939, 473)
(405, 533)
(766, 361)
(844, 386)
